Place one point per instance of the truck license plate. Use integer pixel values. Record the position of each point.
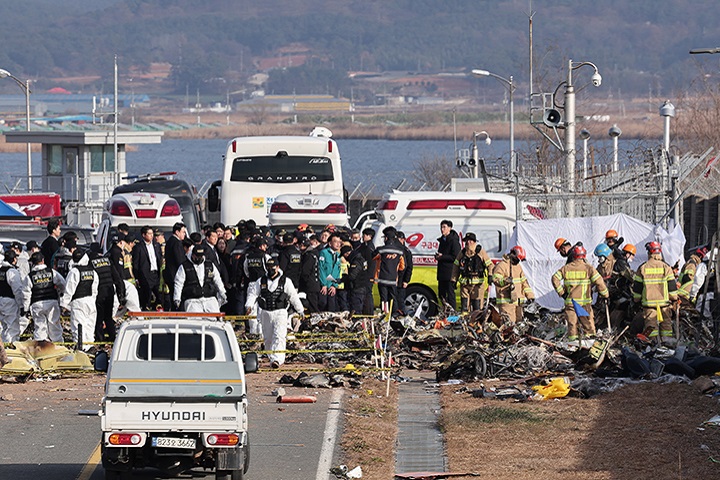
(172, 442)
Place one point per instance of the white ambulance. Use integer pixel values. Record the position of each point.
(490, 216)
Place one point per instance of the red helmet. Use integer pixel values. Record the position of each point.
(519, 252)
(701, 252)
(653, 247)
(579, 252)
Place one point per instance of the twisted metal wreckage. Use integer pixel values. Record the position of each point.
(457, 346)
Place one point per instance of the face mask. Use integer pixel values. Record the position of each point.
(514, 260)
(197, 260)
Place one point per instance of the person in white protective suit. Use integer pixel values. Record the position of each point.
(198, 286)
(273, 294)
(41, 293)
(81, 291)
(11, 298)
(702, 304)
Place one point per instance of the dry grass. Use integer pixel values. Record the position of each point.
(370, 430)
(643, 431)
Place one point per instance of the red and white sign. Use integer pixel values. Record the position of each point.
(35, 204)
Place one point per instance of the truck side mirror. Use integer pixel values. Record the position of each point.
(213, 199)
(101, 361)
(251, 362)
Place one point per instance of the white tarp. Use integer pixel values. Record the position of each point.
(537, 237)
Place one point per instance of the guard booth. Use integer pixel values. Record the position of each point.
(81, 167)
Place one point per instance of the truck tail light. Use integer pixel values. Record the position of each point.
(124, 439)
(170, 209)
(146, 212)
(120, 209)
(224, 439)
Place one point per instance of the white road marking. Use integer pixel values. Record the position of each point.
(329, 436)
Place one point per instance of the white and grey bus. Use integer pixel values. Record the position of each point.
(257, 169)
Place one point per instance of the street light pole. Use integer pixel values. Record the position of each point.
(26, 88)
(475, 156)
(585, 135)
(570, 127)
(511, 89)
(513, 159)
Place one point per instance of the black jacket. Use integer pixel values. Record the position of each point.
(309, 274)
(359, 272)
(448, 248)
(141, 262)
(174, 257)
(407, 273)
(212, 254)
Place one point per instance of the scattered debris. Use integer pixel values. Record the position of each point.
(297, 399)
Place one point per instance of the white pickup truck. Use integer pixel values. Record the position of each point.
(175, 398)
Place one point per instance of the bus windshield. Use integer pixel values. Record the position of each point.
(282, 169)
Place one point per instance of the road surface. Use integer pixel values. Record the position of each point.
(49, 432)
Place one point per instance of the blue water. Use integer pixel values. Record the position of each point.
(377, 165)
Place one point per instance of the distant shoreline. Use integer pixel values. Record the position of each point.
(358, 131)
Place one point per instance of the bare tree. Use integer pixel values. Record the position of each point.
(258, 113)
(435, 172)
(696, 125)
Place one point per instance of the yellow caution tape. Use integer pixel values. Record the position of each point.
(343, 350)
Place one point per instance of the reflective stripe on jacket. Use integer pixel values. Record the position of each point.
(687, 276)
(654, 284)
(503, 291)
(575, 280)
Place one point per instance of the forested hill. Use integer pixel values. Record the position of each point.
(641, 42)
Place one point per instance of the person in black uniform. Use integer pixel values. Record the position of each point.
(448, 250)
(52, 243)
(310, 273)
(110, 283)
(357, 280)
(255, 260)
(63, 257)
(404, 278)
(290, 259)
(367, 249)
(174, 256)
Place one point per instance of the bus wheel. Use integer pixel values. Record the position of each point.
(418, 296)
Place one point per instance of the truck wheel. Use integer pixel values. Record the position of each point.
(229, 475)
(415, 295)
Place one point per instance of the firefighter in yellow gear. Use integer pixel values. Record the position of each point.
(655, 288)
(575, 281)
(471, 270)
(687, 274)
(512, 289)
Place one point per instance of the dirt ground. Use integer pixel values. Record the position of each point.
(641, 431)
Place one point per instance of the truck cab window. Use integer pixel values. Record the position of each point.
(163, 347)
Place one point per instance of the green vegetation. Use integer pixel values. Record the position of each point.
(492, 415)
